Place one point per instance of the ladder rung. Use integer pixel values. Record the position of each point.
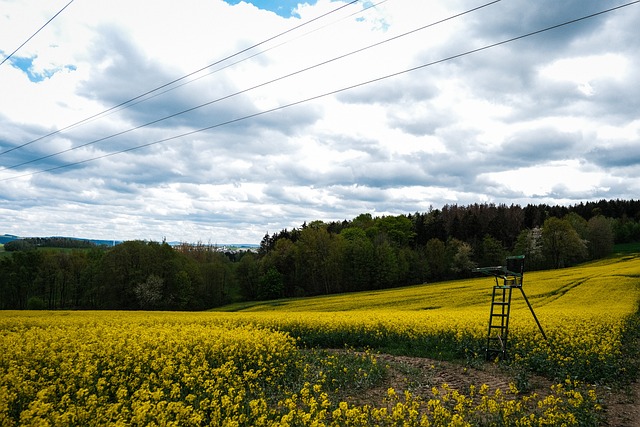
(499, 322)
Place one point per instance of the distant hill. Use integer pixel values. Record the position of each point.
(6, 238)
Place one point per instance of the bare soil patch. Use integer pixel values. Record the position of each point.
(419, 375)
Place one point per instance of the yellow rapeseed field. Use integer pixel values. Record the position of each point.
(255, 367)
(584, 312)
(134, 368)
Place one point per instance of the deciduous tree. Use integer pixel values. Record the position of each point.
(436, 258)
(561, 243)
(600, 236)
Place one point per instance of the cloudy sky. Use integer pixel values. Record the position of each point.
(220, 121)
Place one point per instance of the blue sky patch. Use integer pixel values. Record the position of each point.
(283, 8)
(26, 65)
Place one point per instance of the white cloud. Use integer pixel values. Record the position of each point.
(583, 72)
(543, 180)
(541, 119)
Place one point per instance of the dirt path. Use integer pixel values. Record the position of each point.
(623, 409)
(419, 375)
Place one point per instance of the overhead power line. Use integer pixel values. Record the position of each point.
(34, 34)
(142, 95)
(229, 65)
(325, 94)
(260, 85)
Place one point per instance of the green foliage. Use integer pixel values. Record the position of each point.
(562, 244)
(529, 244)
(366, 253)
(462, 259)
(271, 286)
(31, 243)
(131, 275)
(626, 248)
(600, 237)
(248, 274)
(436, 257)
(398, 229)
(36, 303)
(19, 245)
(357, 258)
(492, 251)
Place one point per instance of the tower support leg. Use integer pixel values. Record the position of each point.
(533, 312)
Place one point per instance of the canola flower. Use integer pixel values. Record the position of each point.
(177, 369)
(565, 406)
(92, 369)
(253, 368)
(585, 311)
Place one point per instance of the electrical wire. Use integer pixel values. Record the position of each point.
(129, 105)
(122, 104)
(323, 95)
(252, 87)
(34, 34)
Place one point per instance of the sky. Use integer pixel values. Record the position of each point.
(219, 122)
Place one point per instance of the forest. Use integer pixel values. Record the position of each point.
(364, 253)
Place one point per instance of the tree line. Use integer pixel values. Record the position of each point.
(40, 242)
(364, 253)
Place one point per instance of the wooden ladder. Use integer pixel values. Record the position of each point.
(499, 322)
